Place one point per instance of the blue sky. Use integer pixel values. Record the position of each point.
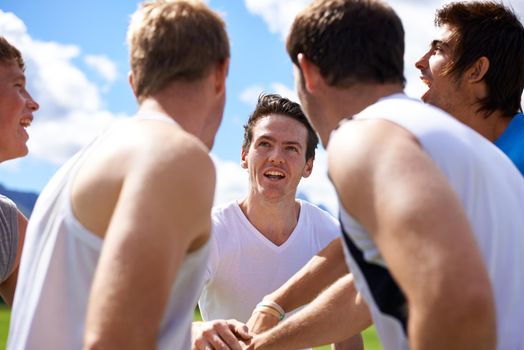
(77, 67)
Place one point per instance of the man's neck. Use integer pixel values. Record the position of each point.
(342, 103)
(490, 126)
(275, 219)
(186, 103)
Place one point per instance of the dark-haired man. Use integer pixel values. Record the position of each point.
(430, 210)
(260, 241)
(474, 70)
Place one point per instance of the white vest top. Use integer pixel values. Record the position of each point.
(491, 191)
(59, 260)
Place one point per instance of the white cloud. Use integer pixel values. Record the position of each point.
(250, 94)
(284, 91)
(232, 181)
(277, 14)
(103, 66)
(318, 187)
(71, 134)
(10, 25)
(71, 111)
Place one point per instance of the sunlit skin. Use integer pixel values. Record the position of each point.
(16, 112)
(444, 91)
(460, 95)
(276, 158)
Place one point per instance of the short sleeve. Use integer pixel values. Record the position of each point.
(8, 236)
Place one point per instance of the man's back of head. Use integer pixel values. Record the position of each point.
(355, 41)
(169, 41)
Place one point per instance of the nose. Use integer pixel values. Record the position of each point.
(31, 103)
(276, 155)
(423, 62)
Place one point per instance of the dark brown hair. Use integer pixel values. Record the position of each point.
(275, 104)
(10, 54)
(492, 30)
(351, 41)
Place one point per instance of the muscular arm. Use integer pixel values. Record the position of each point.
(318, 274)
(338, 313)
(397, 193)
(162, 212)
(8, 287)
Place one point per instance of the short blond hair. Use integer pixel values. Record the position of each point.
(174, 40)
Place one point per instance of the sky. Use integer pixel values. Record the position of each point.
(77, 68)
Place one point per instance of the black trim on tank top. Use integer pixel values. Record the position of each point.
(387, 295)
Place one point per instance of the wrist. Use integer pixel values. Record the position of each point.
(272, 308)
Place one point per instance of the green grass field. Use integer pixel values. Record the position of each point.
(4, 325)
(370, 337)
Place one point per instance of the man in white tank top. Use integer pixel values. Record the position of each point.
(431, 211)
(493, 106)
(260, 241)
(117, 244)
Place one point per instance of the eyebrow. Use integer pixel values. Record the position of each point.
(436, 42)
(19, 76)
(287, 143)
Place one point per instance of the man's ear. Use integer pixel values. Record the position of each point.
(478, 70)
(309, 168)
(131, 80)
(221, 71)
(243, 161)
(310, 73)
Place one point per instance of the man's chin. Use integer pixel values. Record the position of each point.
(425, 97)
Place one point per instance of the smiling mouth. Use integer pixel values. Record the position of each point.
(273, 174)
(426, 81)
(25, 122)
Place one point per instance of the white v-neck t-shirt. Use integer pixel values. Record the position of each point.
(244, 265)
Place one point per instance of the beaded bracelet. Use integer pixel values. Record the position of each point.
(272, 308)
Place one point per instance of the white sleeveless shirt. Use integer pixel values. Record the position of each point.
(491, 191)
(59, 260)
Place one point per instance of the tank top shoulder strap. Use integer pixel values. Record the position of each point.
(155, 116)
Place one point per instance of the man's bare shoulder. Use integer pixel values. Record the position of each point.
(362, 155)
(170, 148)
(361, 143)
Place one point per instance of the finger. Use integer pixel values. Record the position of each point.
(240, 329)
(201, 344)
(225, 331)
(217, 343)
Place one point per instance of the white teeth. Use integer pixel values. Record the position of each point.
(25, 123)
(274, 173)
(426, 81)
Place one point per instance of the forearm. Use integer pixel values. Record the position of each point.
(8, 288)
(319, 273)
(468, 324)
(337, 314)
